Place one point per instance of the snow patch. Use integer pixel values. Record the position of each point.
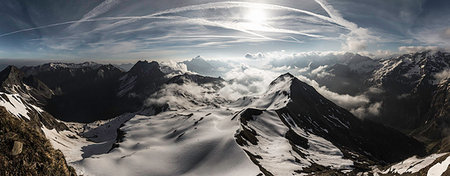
(16, 105)
(439, 168)
(412, 164)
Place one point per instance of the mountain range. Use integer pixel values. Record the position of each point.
(154, 120)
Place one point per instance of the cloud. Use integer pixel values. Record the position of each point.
(413, 49)
(343, 100)
(358, 37)
(246, 81)
(254, 56)
(320, 72)
(96, 11)
(355, 44)
(199, 26)
(185, 96)
(172, 68)
(371, 110)
(443, 75)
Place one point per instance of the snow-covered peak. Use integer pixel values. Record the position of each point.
(277, 95)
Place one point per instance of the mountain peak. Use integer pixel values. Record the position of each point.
(198, 58)
(282, 78)
(144, 66)
(11, 72)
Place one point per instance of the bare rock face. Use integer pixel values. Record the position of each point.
(17, 148)
(25, 150)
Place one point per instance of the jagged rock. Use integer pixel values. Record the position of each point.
(17, 148)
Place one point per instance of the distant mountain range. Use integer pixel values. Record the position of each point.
(154, 120)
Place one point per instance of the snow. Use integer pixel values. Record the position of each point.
(195, 136)
(72, 148)
(275, 150)
(191, 142)
(277, 153)
(277, 96)
(16, 105)
(412, 164)
(439, 168)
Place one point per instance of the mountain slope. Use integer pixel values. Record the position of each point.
(308, 118)
(25, 96)
(289, 130)
(408, 82)
(84, 92)
(14, 81)
(35, 156)
(436, 129)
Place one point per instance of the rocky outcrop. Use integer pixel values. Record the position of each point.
(24, 150)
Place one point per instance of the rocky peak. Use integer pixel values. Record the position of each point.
(11, 75)
(145, 67)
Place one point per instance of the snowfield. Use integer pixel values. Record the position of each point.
(201, 133)
(188, 140)
(198, 142)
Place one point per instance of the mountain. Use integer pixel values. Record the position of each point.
(403, 85)
(24, 97)
(144, 78)
(408, 82)
(291, 129)
(26, 151)
(435, 130)
(14, 81)
(122, 120)
(124, 67)
(293, 115)
(84, 92)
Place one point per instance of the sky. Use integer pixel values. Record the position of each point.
(123, 30)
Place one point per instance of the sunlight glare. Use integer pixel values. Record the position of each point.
(256, 16)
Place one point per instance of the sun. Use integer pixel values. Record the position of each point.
(256, 16)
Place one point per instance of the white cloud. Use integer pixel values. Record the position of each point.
(172, 68)
(185, 96)
(246, 81)
(102, 8)
(413, 49)
(444, 74)
(345, 100)
(254, 56)
(185, 27)
(320, 72)
(355, 44)
(371, 110)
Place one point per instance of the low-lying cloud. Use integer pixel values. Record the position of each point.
(185, 96)
(367, 111)
(444, 74)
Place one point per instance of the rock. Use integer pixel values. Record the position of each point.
(17, 148)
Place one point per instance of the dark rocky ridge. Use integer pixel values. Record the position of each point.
(14, 81)
(435, 131)
(408, 87)
(88, 91)
(83, 91)
(33, 92)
